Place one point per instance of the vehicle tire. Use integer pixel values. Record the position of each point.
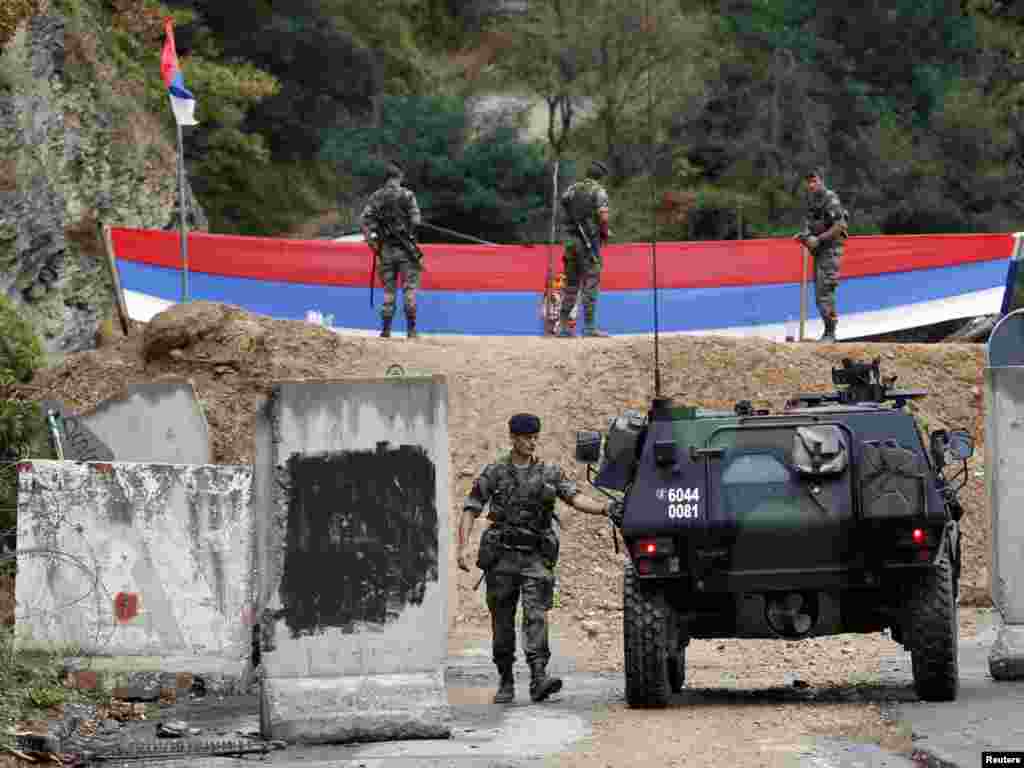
(646, 627)
(935, 634)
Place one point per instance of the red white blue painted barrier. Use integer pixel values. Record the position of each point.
(749, 287)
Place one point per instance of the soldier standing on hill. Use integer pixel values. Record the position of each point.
(518, 551)
(389, 223)
(585, 212)
(825, 229)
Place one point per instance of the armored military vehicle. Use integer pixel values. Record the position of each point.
(832, 516)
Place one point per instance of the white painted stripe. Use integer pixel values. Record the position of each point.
(143, 307)
(183, 109)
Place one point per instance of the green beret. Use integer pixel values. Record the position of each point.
(524, 424)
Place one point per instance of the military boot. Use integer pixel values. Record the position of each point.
(566, 331)
(506, 687)
(410, 323)
(385, 332)
(542, 686)
(829, 336)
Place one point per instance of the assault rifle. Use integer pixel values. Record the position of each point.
(583, 234)
(389, 229)
(579, 228)
(392, 230)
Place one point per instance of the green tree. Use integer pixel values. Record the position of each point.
(21, 422)
(828, 84)
(489, 185)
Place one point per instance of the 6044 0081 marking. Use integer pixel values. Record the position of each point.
(683, 511)
(683, 503)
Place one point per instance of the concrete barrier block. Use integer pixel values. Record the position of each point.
(136, 559)
(358, 708)
(1004, 478)
(351, 488)
(158, 422)
(78, 442)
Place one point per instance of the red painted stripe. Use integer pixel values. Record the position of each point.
(698, 264)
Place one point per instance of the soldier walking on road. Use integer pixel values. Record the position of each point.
(518, 551)
(825, 229)
(585, 217)
(389, 223)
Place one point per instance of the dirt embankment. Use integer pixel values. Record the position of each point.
(233, 358)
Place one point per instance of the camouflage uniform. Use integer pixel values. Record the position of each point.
(396, 204)
(522, 500)
(581, 203)
(824, 210)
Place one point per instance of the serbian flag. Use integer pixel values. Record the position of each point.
(183, 103)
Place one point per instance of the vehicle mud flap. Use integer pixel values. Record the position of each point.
(934, 632)
(648, 624)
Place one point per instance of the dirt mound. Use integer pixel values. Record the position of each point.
(233, 357)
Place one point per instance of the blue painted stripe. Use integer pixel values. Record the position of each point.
(516, 313)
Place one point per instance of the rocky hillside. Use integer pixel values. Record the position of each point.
(233, 357)
(77, 151)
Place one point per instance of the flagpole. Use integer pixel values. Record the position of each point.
(181, 217)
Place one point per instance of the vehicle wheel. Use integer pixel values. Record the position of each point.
(934, 643)
(646, 633)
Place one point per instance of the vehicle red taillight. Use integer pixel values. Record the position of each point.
(919, 536)
(654, 547)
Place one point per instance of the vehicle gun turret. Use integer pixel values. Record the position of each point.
(858, 382)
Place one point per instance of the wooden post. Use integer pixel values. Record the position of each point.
(549, 277)
(119, 302)
(803, 292)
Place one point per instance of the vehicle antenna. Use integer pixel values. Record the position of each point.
(654, 203)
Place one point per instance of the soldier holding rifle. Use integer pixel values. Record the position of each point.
(389, 223)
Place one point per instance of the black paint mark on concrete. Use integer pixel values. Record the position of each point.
(362, 537)
(78, 442)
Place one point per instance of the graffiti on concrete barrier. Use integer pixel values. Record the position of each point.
(362, 537)
(78, 441)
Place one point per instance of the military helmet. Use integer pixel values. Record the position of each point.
(597, 169)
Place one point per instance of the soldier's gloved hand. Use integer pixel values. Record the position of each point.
(812, 242)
